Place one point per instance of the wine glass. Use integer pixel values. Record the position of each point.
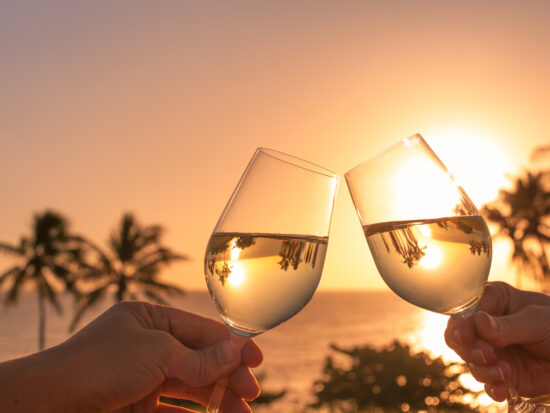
(428, 240)
(265, 256)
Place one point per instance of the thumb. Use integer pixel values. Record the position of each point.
(205, 366)
(528, 326)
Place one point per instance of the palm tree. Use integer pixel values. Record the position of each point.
(49, 253)
(521, 215)
(129, 267)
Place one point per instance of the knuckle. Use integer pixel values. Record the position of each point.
(202, 369)
(499, 341)
(192, 368)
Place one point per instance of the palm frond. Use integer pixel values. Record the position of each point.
(8, 273)
(152, 266)
(149, 235)
(13, 292)
(161, 254)
(51, 295)
(164, 287)
(10, 249)
(155, 297)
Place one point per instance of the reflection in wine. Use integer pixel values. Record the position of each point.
(438, 264)
(260, 280)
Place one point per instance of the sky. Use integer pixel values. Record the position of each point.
(156, 107)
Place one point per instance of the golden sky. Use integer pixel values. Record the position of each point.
(156, 107)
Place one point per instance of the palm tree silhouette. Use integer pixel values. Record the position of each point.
(521, 215)
(49, 253)
(129, 267)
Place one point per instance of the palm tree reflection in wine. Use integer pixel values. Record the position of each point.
(292, 252)
(131, 266)
(405, 240)
(405, 244)
(48, 255)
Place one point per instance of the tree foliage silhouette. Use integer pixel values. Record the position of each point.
(129, 267)
(522, 215)
(392, 379)
(48, 254)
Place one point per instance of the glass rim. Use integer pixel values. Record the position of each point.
(409, 141)
(298, 162)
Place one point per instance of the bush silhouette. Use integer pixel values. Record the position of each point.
(390, 379)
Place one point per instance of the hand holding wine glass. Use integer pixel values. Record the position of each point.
(266, 254)
(429, 242)
(507, 340)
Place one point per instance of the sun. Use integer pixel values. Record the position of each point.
(478, 163)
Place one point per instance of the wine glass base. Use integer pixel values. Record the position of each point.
(516, 404)
(528, 406)
(241, 331)
(467, 310)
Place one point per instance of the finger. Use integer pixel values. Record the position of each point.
(460, 332)
(195, 332)
(190, 329)
(251, 354)
(528, 326)
(168, 408)
(244, 384)
(204, 366)
(496, 298)
(494, 373)
(498, 391)
(230, 403)
(480, 352)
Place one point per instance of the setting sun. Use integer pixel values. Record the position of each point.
(476, 162)
(432, 257)
(236, 277)
(153, 110)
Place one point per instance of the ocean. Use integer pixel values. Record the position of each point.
(294, 352)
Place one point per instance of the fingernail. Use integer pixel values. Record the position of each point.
(457, 337)
(479, 354)
(226, 352)
(492, 322)
(489, 391)
(501, 374)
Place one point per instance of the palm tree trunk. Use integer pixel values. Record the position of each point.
(41, 318)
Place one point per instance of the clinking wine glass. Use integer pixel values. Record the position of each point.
(265, 256)
(428, 240)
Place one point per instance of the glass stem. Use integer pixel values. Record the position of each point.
(466, 312)
(217, 395)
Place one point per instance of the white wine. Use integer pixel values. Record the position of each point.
(260, 280)
(440, 264)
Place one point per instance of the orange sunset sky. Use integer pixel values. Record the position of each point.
(156, 107)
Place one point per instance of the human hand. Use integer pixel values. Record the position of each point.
(131, 354)
(506, 340)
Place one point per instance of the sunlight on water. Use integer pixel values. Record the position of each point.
(430, 337)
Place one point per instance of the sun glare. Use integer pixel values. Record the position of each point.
(430, 187)
(477, 162)
(235, 251)
(236, 277)
(432, 257)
